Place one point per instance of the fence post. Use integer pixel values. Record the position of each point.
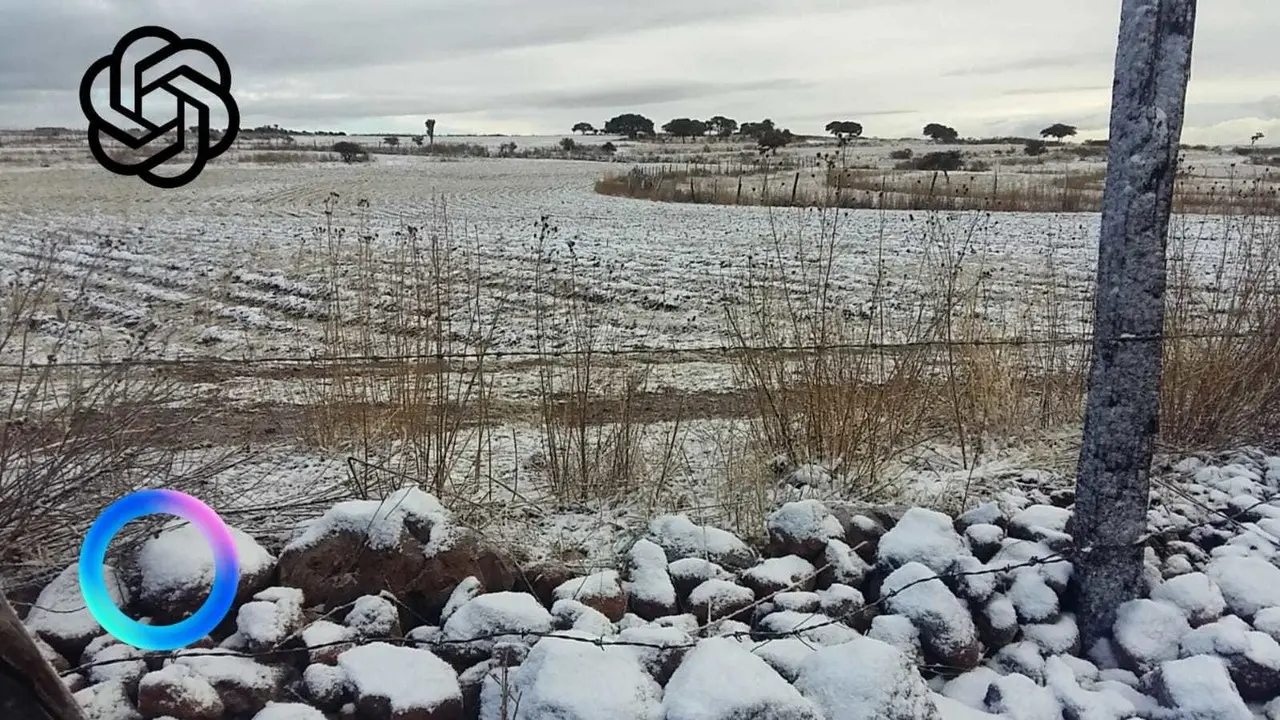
(1152, 67)
(795, 185)
(29, 687)
(737, 199)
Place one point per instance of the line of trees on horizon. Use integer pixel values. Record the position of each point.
(765, 132)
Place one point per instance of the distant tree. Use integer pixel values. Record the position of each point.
(685, 128)
(844, 129)
(772, 139)
(507, 149)
(1035, 148)
(350, 152)
(568, 145)
(756, 130)
(1058, 131)
(584, 128)
(391, 141)
(941, 133)
(431, 131)
(609, 147)
(1256, 137)
(722, 126)
(417, 140)
(629, 124)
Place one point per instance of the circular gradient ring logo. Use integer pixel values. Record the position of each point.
(166, 70)
(93, 585)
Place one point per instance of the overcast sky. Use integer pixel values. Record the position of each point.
(538, 66)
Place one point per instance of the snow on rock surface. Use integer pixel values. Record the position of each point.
(923, 536)
(106, 701)
(60, 617)
(374, 616)
(390, 679)
(175, 569)
(650, 590)
(802, 528)
(178, 691)
(270, 618)
(784, 655)
(244, 684)
(1194, 594)
(947, 630)
(601, 591)
(1147, 632)
(493, 616)
(1248, 584)
(1252, 657)
(289, 711)
(700, 688)
(780, 573)
(865, 679)
(1198, 688)
(681, 538)
(573, 679)
(382, 522)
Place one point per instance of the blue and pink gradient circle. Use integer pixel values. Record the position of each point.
(93, 585)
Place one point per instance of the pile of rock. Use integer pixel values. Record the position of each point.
(391, 610)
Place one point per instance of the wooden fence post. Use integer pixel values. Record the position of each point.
(30, 688)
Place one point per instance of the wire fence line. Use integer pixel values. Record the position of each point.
(722, 350)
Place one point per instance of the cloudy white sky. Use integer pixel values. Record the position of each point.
(538, 66)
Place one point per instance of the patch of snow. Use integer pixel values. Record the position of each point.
(409, 678)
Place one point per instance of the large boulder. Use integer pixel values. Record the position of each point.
(406, 544)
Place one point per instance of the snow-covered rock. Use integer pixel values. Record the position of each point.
(681, 538)
(865, 679)
(1147, 632)
(650, 591)
(1194, 594)
(175, 570)
(602, 591)
(60, 618)
(178, 691)
(721, 680)
(947, 631)
(1198, 688)
(802, 528)
(574, 680)
(507, 616)
(374, 616)
(922, 536)
(393, 681)
(1248, 584)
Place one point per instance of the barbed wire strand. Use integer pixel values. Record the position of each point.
(613, 352)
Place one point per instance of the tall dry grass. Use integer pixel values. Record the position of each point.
(79, 430)
(415, 299)
(1002, 190)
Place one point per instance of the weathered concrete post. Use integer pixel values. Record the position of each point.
(29, 687)
(1153, 65)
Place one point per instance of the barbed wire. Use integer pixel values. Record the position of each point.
(762, 637)
(723, 350)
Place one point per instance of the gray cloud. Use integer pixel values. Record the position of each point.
(517, 66)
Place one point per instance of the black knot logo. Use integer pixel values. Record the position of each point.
(180, 124)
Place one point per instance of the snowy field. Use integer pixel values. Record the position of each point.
(264, 261)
